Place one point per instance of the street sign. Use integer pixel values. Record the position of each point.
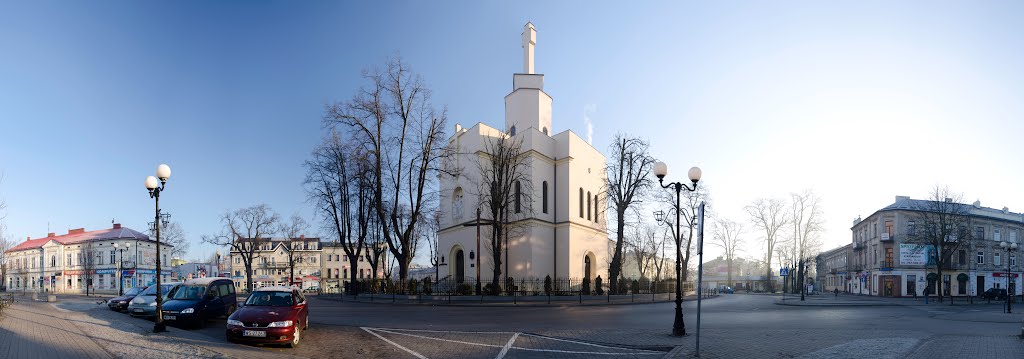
(783, 272)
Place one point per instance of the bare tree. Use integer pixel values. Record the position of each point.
(432, 224)
(505, 194)
(642, 245)
(245, 230)
(769, 216)
(5, 240)
(808, 223)
(628, 179)
(172, 234)
(291, 230)
(661, 254)
(941, 229)
(339, 182)
(688, 217)
(726, 235)
(395, 123)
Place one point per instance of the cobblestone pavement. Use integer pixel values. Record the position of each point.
(33, 330)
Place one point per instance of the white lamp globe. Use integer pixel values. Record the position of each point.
(163, 172)
(694, 174)
(660, 169)
(151, 183)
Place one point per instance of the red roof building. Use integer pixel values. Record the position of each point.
(103, 260)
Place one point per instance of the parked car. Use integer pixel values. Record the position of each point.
(270, 315)
(144, 304)
(726, 290)
(994, 293)
(120, 304)
(197, 300)
(312, 289)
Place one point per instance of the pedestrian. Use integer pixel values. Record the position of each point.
(836, 291)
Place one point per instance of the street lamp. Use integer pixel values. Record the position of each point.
(163, 172)
(1009, 247)
(661, 170)
(120, 273)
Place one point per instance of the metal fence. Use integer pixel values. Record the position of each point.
(449, 286)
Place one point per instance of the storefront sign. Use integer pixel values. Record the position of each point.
(106, 271)
(997, 274)
(914, 254)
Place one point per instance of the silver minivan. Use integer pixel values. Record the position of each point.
(144, 305)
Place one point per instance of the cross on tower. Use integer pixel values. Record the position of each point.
(529, 41)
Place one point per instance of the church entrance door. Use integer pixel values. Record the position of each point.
(460, 267)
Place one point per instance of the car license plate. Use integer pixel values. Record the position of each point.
(138, 310)
(169, 317)
(254, 333)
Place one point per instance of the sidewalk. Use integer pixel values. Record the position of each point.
(34, 330)
(824, 300)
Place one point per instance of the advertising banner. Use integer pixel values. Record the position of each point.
(914, 254)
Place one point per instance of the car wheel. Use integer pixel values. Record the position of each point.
(295, 338)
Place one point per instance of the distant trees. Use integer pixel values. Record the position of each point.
(292, 229)
(245, 230)
(769, 216)
(727, 237)
(628, 178)
(941, 227)
(394, 123)
(808, 221)
(173, 235)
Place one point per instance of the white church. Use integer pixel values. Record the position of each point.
(562, 231)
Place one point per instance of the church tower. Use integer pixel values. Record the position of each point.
(528, 105)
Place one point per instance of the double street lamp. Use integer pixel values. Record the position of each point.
(163, 172)
(120, 270)
(661, 170)
(1010, 289)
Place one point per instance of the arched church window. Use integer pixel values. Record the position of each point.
(544, 196)
(545, 130)
(457, 204)
(588, 205)
(53, 261)
(597, 208)
(512, 131)
(581, 202)
(519, 195)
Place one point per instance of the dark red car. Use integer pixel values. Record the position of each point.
(271, 315)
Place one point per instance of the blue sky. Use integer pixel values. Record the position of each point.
(859, 101)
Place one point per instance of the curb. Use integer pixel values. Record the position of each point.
(507, 304)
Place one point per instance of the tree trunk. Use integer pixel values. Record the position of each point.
(615, 267)
(248, 276)
(496, 254)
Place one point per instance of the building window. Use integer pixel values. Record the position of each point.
(581, 202)
(597, 208)
(1013, 236)
(588, 205)
(981, 258)
(996, 260)
(995, 235)
(238, 260)
(1013, 259)
(911, 284)
(113, 256)
(519, 195)
(512, 131)
(457, 204)
(963, 257)
(544, 196)
(911, 228)
(979, 233)
(53, 261)
(328, 258)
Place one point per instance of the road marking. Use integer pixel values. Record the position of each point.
(504, 350)
(418, 355)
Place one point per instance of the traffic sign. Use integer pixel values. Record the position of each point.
(783, 272)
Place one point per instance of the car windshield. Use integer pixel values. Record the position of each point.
(134, 291)
(189, 292)
(270, 299)
(163, 289)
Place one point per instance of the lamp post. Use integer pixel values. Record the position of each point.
(120, 261)
(163, 172)
(1009, 247)
(661, 170)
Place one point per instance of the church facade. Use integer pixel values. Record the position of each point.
(560, 231)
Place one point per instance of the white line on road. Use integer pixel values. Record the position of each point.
(585, 343)
(441, 339)
(418, 355)
(504, 350)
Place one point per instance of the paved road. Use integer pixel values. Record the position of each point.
(732, 326)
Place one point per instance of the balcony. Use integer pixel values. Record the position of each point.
(858, 246)
(886, 237)
(885, 265)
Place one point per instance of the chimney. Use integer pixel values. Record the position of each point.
(76, 231)
(117, 226)
(1006, 210)
(302, 236)
(949, 200)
